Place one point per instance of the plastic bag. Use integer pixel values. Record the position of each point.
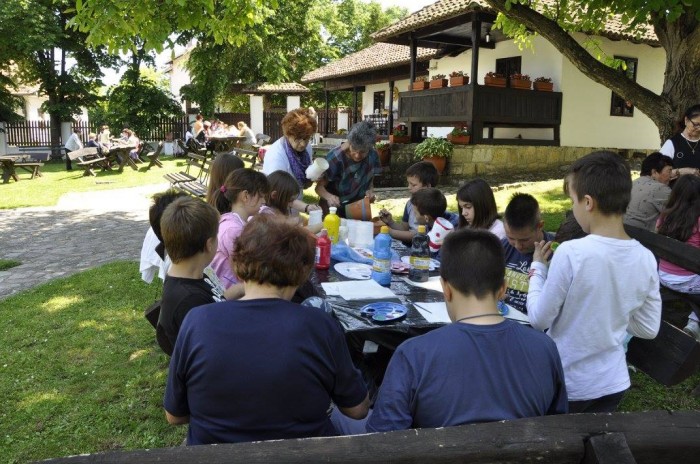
(342, 253)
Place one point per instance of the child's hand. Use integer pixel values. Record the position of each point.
(386, 217)
(543, 252)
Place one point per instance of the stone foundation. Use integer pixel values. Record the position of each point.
(496, 163)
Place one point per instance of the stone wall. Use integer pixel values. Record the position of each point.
(496, 163)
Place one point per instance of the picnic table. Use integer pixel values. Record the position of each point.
(120, 153)
(12, 162)
(224, 144)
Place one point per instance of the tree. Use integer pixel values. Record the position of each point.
(675, 23)
(36, 45)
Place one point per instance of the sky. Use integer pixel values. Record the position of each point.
(112, 77)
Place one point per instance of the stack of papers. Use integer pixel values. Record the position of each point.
(357, 290)
(433, 283)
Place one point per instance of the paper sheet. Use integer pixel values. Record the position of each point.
(433, 312)
(516, 315)
(358, 290)
(433, 283)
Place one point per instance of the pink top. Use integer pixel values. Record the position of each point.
(674, 269)
(230, 228)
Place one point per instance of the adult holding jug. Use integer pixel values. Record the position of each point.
(292, 152)
(351, 170)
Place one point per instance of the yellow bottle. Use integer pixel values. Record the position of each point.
(332, 224)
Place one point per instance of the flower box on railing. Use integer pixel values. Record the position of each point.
(438, 83)
(459, 80)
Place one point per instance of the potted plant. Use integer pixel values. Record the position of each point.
(383, 148)
(460, 135)
(435, 150)
(420, 83)
(493, 79)
(400, 134)
(543, 84)
(520, 81)
(438, 81)
(458, 78)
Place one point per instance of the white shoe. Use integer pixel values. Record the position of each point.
(692, 329)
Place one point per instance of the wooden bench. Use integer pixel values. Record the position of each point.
(249, 156)
(658, 437)
(194, 161)
(153, 157)
(88, 158)
(11, 163)
(197, 187)
(673, 355)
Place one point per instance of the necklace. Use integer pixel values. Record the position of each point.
(692, 147)
(478, 315)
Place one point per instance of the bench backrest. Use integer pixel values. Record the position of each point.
(248, 156)
(674, 251)
(82, 152)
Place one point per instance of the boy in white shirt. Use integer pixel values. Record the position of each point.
(597, 288)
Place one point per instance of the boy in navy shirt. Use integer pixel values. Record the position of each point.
(481, 367)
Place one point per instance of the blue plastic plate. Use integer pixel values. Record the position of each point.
(384, 312)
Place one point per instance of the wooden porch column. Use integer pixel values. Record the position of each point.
(354, 105)
(476, 38)
(327, 105)
(390, 119)
(414, 52)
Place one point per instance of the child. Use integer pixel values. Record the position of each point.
(284, 189)
(241, 196)
(221, 167)
(189, 227)
(430, 204)
(481, 367)
(419, 175)
(477, 208)
(524, 226)
(597, 289)
(681, 220)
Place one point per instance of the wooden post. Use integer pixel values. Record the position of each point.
(414, 53)
(390, 119)
(327, 103)
(354, 105)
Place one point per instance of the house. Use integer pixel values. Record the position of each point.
(578, 113)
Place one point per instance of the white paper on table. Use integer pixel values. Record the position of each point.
(433, 312)
(433, 283)
(357, 290)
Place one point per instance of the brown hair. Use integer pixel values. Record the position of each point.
(271, 251)
(430, 201)
(187, 223)
(286, 188)
(299, 124)
(223, 165)
(236, 182)
(605, 176)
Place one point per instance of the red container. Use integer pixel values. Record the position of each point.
(323, 251)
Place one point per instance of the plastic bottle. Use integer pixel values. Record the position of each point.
(323, 251)
(332, 224)
(420, 257)
(381, 264)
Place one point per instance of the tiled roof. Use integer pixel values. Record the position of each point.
(285, 87)
(445, 9)
(377, 56)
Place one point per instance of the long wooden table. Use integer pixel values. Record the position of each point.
(12, 162)
(220, 144)
(120, 153)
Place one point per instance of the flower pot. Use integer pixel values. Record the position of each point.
(459, 80)
(543, 86)
(399, 139)
(384, 156)
(495, 81)
(438, 83)
(437, 161)
(420, 85)
(459, 139)
(520, 84)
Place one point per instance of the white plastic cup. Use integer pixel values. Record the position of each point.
(437, 234)
(316, 169)
(365, 234)
(352, 232)
(315, 217)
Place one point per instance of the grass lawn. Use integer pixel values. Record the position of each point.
(56, 181)
(6, 264)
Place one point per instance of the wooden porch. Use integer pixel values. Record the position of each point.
(483, 107)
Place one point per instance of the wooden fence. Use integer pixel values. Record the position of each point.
(28, 133)
(272, 123)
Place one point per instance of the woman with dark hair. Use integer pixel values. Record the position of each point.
(352, 167)
(681, 221)
(262, 367)
(650, 192)
(477, 208)
(684, 147)
(223, 165)
(292, 152)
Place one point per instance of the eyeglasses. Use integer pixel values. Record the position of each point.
(696, 125)
(301, 141)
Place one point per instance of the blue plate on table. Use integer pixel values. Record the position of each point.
(384, 312)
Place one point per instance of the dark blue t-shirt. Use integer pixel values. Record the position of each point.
(263, 369)
(517, 274)
(464, 373)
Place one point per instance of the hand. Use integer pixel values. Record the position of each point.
(313, 207)
(370, 194)
(386, 217)
(333, 200)
(543, 252)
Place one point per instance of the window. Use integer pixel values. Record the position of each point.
(378, 106)
(508, 66)
(618, 105)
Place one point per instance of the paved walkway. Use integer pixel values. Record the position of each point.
(83, 231)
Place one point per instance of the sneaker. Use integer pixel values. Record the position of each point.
(692, 329)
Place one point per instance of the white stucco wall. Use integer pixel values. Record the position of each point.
(179, 76)
(586, 120)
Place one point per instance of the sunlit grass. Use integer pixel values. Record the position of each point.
(6, 264)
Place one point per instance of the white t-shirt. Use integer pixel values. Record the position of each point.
(498, 229)
(598, 290)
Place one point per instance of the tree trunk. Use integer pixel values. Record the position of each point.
(679, 39)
